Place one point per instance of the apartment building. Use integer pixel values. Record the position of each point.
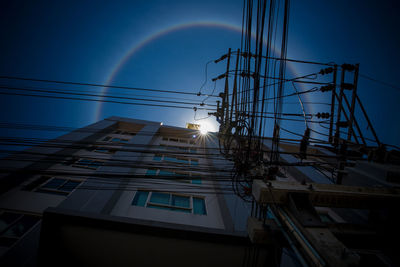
(122, 191)
(126, 191)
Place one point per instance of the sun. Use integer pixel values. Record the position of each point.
(205, 127)
(203, 130)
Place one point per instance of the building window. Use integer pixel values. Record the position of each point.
(184, 149)
(14, 225)
(87, 163)
(178, 140)
(115, 139)
(177, 175)
(170, 201)
(176, 159)
(119, 140)
(59, 186)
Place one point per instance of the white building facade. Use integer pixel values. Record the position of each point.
(122, 171)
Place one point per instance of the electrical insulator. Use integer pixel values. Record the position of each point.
(245, 54)
(219, 77)
(347, 86)
(348, 67)
(221, 58)
(323, 115)
(326, 71)
(327, 88)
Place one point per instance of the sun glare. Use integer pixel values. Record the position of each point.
(203, 130)
(205, 127)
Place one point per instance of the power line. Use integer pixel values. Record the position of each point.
(102, 100)
(98, 85)
(59, 91)
(379, 81)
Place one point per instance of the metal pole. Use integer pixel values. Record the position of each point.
(369, 122)
(353, 102)
(234, 93)
(355, 123)
(225, 104)
(332, 104)
(337, 135)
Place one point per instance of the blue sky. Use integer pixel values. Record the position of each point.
(84, 41)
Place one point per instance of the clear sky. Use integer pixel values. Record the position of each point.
(166, 45)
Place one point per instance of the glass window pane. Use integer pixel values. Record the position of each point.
(160, 198)
(157, 157)
(196, 180)
(151, 172)
(199, 207)
(22, 226)
(180, 201)
(195, 162)
(182, 160)
(158, 207)
(169, 158)
(84, 161)
(69, 186)
(54, 183)
(166, 173)
(140, 198)
(7, 218)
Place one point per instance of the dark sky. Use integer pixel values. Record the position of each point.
(166, 45)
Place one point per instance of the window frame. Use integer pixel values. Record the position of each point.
(106, 150)
(87, 166)
(178, 140)
(57, 191)
(189, 175)
(185, 149)
(190, 160)
(169, 206)
(110, 139)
